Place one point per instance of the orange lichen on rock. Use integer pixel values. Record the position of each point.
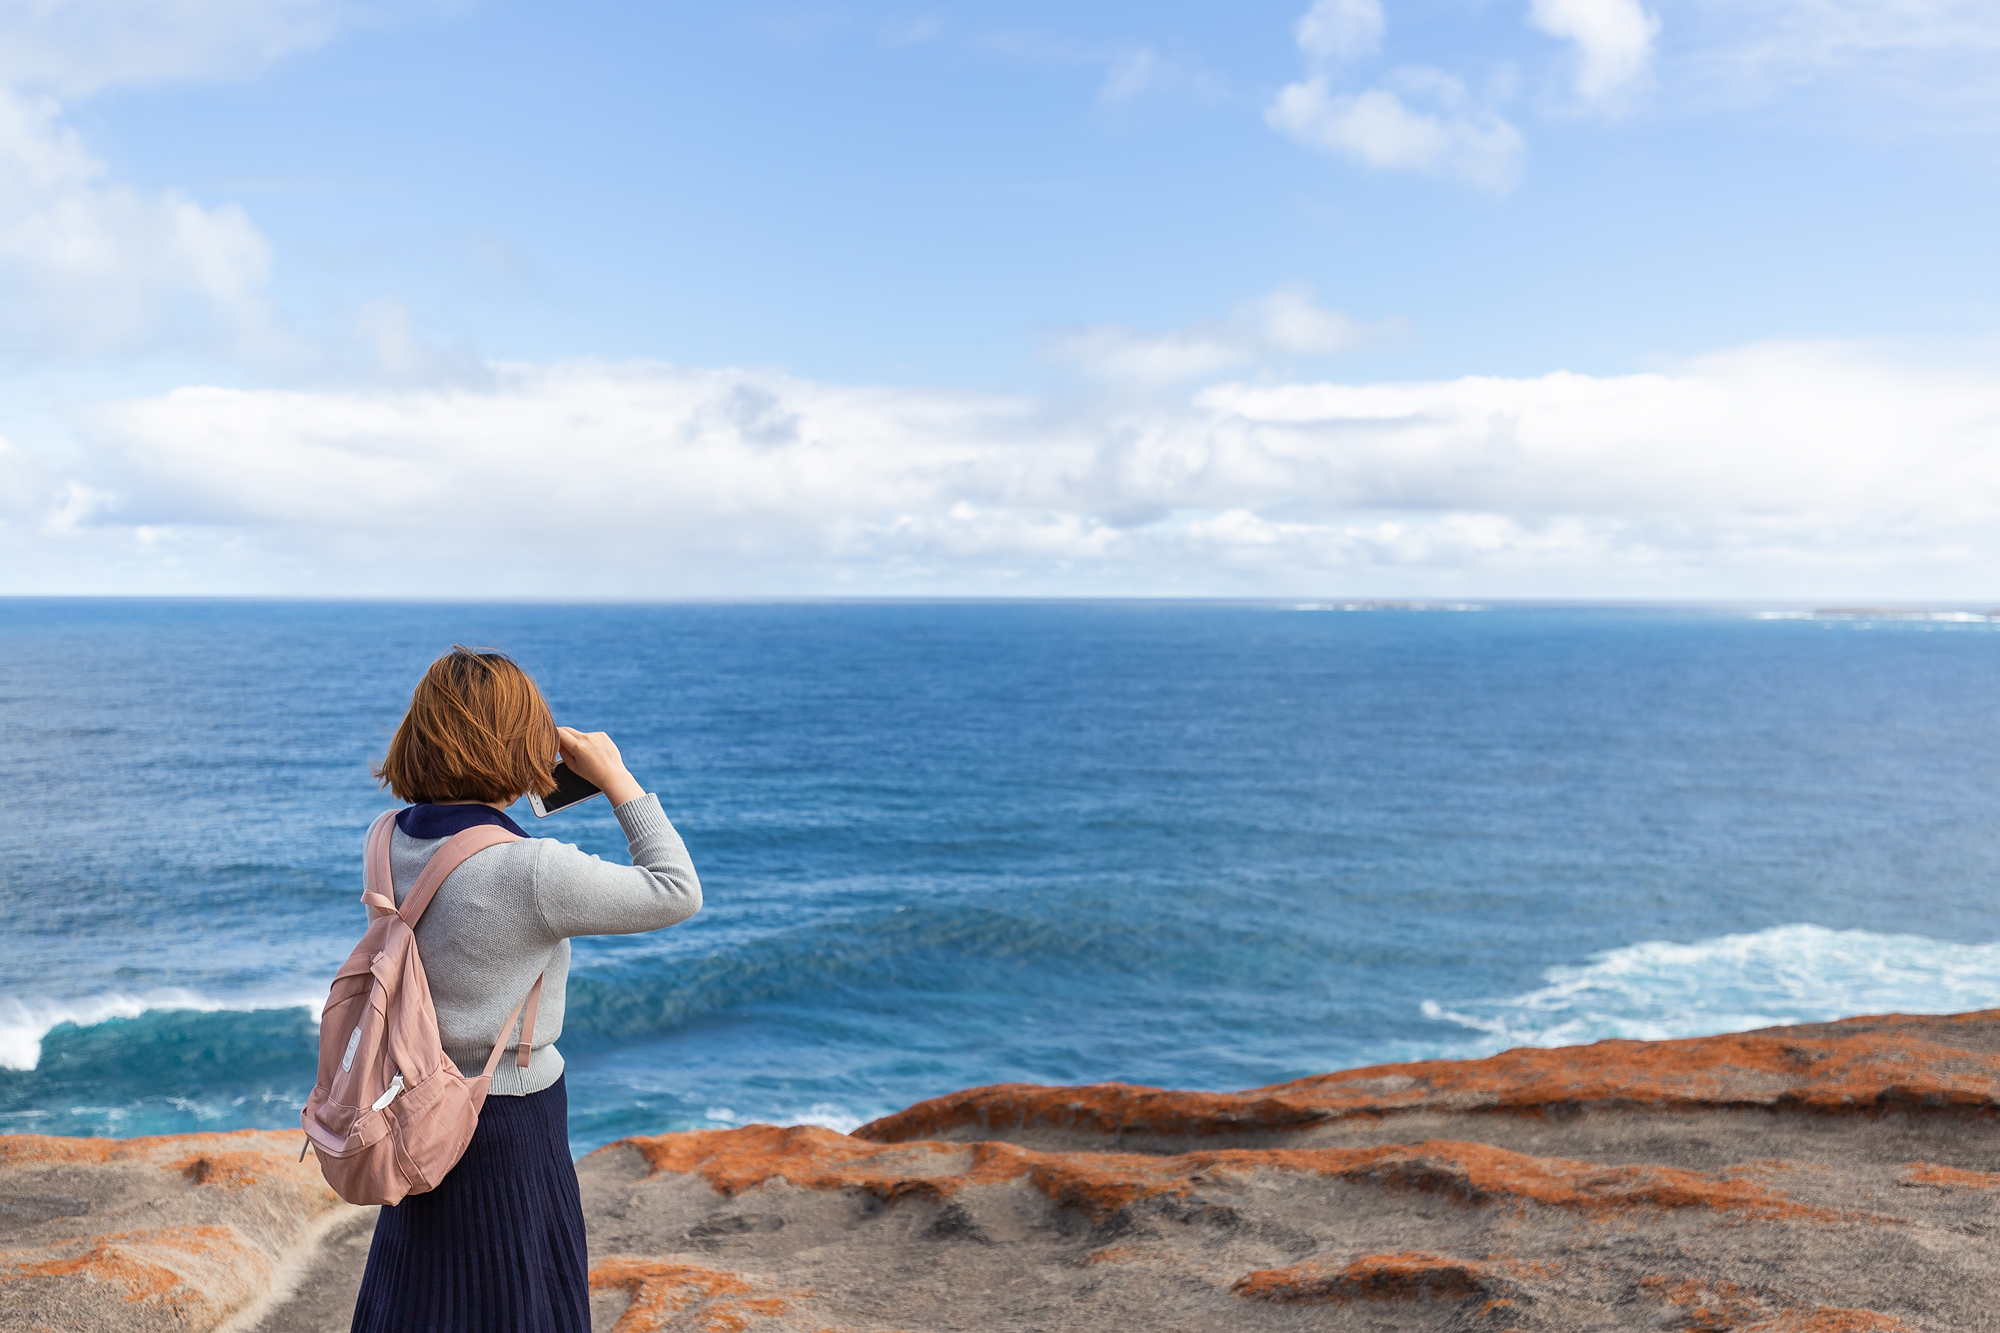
(1125, 1254)
(1725, 1307)
(181, 1231)
(103, 1262)
(810, 1157)
(1411, 1275)
(55, 1150)
(233, 1161)
(665, 1295)
(1108, 1109)
(145, 1265)
(1896, 1062)
(1775, 1166)
(1100, 1185)
(232, 1171)
(1478, 1173)
(733, 1160)
(1830, 1320)
(1711, 1307)
(1951, 1177)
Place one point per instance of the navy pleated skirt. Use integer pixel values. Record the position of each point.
(498, 1246)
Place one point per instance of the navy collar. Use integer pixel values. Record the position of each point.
(425, 822)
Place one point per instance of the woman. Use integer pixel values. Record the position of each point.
(498, 1245)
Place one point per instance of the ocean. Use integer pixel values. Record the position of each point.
(1196, 845)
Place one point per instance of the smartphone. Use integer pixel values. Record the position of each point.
(570, 790)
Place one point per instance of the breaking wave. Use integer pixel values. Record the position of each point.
(24, 1023)
(1786, 974)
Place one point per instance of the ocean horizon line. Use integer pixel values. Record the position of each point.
(1852, 607)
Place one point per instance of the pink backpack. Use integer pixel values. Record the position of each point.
(391, 1113)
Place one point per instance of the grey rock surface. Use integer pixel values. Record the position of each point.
(1840, 1178)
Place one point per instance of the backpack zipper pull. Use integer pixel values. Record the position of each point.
(395, 1090)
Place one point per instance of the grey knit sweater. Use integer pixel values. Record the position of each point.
(509, 912)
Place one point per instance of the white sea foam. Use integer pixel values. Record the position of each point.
(24, 1022)
(1787, 974)
(830, 1115)
(1387, 606)
(1867, 615)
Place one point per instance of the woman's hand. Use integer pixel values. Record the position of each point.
(594, 757)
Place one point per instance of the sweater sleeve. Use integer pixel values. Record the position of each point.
(580, 894)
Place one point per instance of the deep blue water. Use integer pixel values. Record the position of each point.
(1210, 845)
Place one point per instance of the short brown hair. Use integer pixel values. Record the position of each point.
(477, 730)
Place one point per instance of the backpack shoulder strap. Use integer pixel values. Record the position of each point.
(532, 1003)
(377, 890)
(458, 849)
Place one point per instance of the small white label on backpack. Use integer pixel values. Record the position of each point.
(347, 1061)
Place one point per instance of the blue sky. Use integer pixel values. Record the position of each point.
(1590, 298)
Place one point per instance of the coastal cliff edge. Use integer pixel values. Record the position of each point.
(1828, 1178)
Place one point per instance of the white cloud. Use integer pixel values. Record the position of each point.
(1378, 128)
(394, 351)
(1890, 64)
(1442, 134)
(1614, 43)
(92, 265)
(88, 264)
(1114, 352)
(1292, 320)
(1289, 322)
(1870, 67)
(75, 47)
(910, 32)
(1809, 470)
(73, 503)
(1136, 72)
(1339, 30)
(1131, 73)
(1835, 34)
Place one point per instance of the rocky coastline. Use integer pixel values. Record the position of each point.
(1830, 1178)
